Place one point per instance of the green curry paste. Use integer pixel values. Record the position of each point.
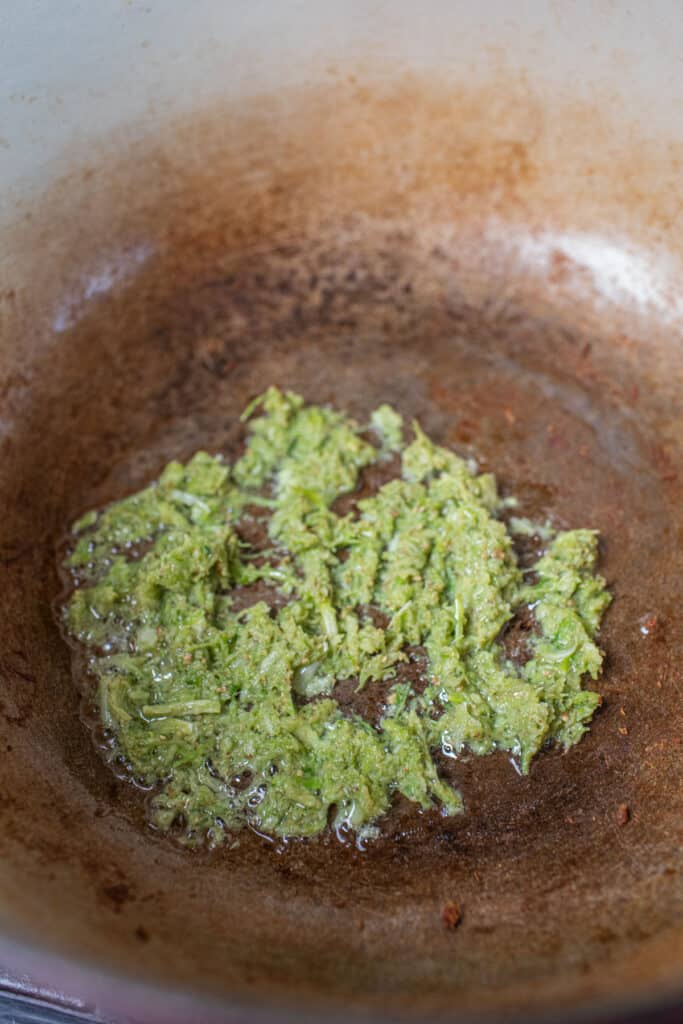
(226, 707)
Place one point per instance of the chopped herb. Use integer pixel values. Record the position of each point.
(200, 695)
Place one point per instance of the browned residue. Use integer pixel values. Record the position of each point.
(360, 245)
(623, 814)
(451, 915)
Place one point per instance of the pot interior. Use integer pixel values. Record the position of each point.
(386, 248)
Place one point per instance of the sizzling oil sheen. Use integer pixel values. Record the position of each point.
(214, 706)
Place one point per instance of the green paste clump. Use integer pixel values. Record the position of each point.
(227, 708)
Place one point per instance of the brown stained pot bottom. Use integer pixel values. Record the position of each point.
(561, 898)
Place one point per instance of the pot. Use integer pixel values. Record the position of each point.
(472, 212)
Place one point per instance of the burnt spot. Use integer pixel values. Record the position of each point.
(117, 895)
(517, 635)
(451, 915)
(370, 479)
